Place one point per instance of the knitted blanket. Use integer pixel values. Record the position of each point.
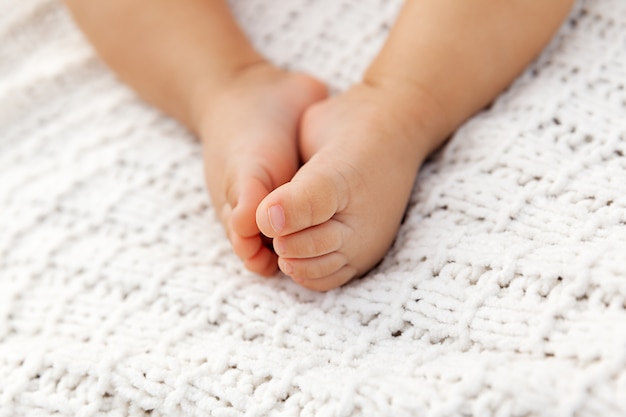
(504, 293)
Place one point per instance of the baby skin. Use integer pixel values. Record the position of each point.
(249, 133)
(325, 228)
(340, 213)
(312, 185)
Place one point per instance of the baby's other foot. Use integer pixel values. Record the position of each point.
(249, 133)
(339, 215)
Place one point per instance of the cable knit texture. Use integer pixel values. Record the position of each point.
(503, 295)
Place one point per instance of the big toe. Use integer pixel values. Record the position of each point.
(244, 234)
(316, 193)
(245, 197)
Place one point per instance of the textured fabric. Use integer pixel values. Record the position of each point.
(503, 295)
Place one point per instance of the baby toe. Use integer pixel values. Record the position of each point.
(316, 241)
(245, 247)
(264, 262)
(250, 192)
(312, 268)
(332, 281)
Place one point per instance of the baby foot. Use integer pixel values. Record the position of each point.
(249, 133)
(340, 213)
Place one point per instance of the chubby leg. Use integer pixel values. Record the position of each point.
(190, 59)
(444, 61)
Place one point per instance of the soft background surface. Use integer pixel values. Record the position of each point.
(504, 294)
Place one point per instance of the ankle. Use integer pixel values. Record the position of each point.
(208, 93)
(416, 108)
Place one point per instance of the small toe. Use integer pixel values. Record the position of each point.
(246, 240)
(245, 200)
(312, 268)
(330, 282)
(245, 247)
(264, 262)
(315, 241)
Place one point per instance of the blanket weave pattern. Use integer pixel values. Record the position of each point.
(504, 293)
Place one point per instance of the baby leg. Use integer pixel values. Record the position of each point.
(190, 59)
(444, 60)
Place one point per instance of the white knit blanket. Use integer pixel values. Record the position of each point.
(503, 295)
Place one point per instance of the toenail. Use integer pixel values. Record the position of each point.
(277, 218)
